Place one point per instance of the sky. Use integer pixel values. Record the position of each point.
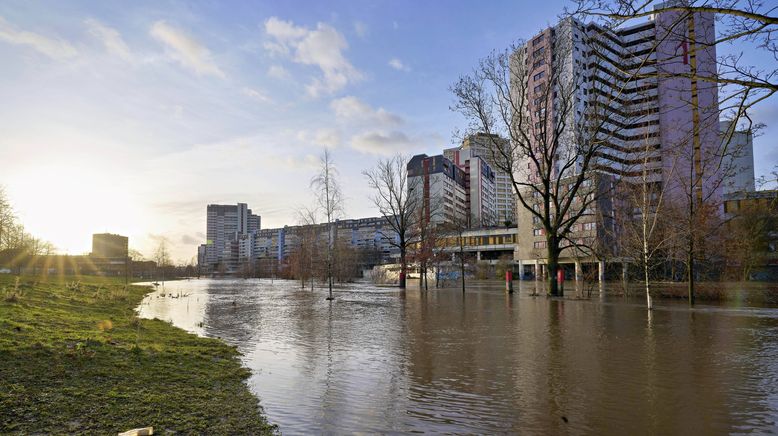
(132, 117)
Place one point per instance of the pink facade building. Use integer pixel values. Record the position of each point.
(639, 91)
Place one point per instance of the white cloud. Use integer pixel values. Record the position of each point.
(278, 72)
(352, 109)
(360, 28)
(306, 162)
(321, 47)
(398, 65)
(54, 48)
(321, 137)
(186, 50)
(256, 95)
(284, 30)
(110, 38)
(328, 137)
(382, 143)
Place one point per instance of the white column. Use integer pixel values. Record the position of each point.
(537, 269)
(578, 272)
(601, 275)
(624, 271)
(521, 269)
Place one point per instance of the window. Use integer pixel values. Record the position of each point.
(539, 76)
(538, 88)
(538, 232)
(539, 244)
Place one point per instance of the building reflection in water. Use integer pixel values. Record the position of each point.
(376, 360)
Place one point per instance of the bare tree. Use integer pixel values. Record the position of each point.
(641, 232)
(426, 236)
(457, 226)
(330, 200)
(162, 257)
(305, 255)
(394, 198)
(7, 219)
(747, 244)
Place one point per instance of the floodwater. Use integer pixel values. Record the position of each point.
(379, 361)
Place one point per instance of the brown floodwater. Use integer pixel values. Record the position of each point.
(376, 360)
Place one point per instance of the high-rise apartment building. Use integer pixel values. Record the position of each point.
(485, 146)
(440, 188)
(630, 90)
(636, 79)
(227, 231)
(738, 160)
(461, 192)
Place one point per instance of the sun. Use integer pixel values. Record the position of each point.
(66, 203)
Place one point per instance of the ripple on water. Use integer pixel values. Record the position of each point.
(377, 360)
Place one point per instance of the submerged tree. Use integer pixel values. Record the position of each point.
(749, 234)
(330, 200)
(457, 226)
(394, 198)
(162, 257)
(303, 259)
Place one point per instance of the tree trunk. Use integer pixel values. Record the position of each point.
(644, 219)
(403, 266)
(649, 302)
(329, 276)
(690, 259)
(697, 150)
(553, 289)
(462, 262)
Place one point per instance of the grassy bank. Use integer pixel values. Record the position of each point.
(74, 358)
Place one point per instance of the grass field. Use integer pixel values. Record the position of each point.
(74, 358)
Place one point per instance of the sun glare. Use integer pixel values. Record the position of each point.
(66, 203)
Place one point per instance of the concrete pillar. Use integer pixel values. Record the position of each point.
(601, 271)
(521, 269)
(578, 271)
(537, 270)
(624, 271)
(478, 255)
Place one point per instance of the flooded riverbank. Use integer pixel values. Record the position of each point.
(378, 360)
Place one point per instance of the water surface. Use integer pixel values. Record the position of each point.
(377, 360)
